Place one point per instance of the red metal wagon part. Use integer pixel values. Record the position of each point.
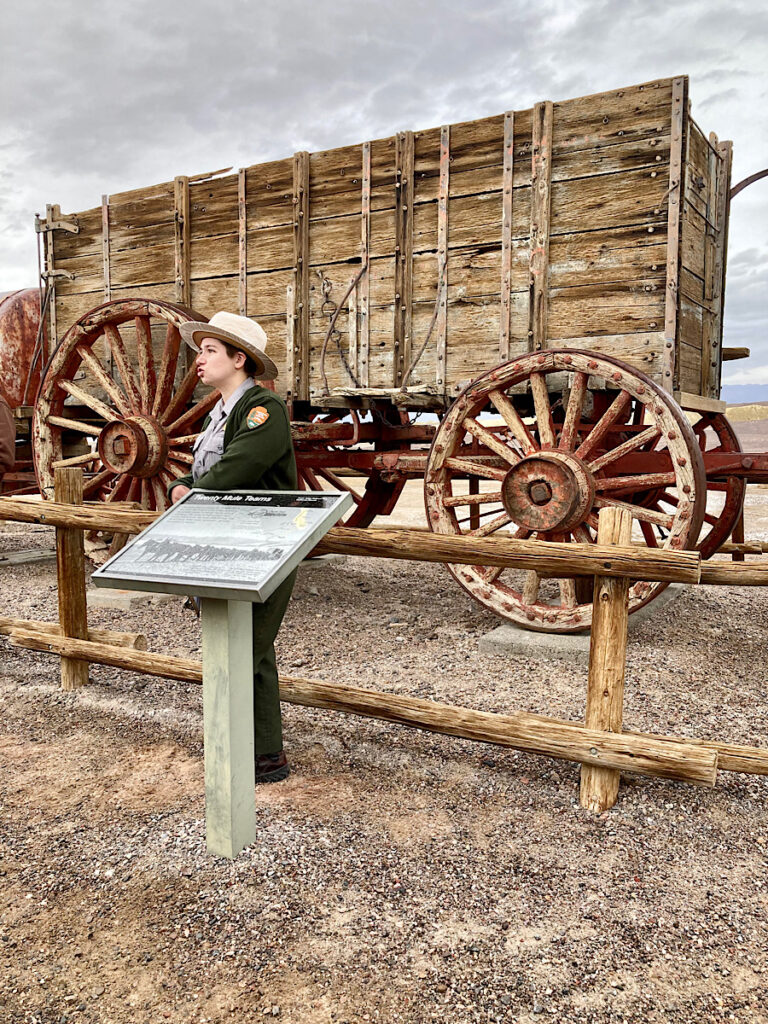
(547, 285)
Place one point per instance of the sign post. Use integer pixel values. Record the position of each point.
(230, 549)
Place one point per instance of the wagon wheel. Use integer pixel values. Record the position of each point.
(544, 469)
(103, 392)
(725, 499)
(373, 494)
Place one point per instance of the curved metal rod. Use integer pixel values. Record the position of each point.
(433, 321)
(747, 181)
(332, 324)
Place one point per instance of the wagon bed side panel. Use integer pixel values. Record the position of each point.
(417, 225)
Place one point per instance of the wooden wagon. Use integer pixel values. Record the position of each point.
(545, 286)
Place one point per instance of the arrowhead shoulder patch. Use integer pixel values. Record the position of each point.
(256, 417)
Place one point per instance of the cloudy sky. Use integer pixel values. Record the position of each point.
(107, 96)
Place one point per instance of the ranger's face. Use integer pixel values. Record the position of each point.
(215, 366)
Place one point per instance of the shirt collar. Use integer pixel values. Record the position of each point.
(222, 409)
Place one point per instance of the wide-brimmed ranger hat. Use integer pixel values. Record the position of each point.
(241, 332)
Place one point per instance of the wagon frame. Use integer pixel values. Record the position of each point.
(548, 282)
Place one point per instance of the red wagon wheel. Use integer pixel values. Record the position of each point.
(531, 449)
(373, 493)
(104, 393)
(725, 498)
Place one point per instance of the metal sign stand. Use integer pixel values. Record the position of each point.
(230, 809)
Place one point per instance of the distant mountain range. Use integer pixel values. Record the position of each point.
(741, 394)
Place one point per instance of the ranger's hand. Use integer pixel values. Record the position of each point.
(178, 493)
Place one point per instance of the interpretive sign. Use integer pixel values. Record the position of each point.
(234, 545)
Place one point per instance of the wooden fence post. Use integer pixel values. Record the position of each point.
(70, 564)
(607, 661)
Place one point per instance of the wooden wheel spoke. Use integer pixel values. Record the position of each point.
(492, 572)
(77, 460)
(67, 424)
(491, 526)
(582, 535)
(197, 412)
(710, 519)
(511, 417)
(168, 362)
(490, 440)
(121, 489)
(597, 434)
(146, 362)
(91, 360)
(569, 433)
(648, 534)
(339, 484)
(96, 482)
(183, 441)
(641, 482)
(638, 441)
(475, 468)
(542, 406)
(668, 499)
(531, 587)
(186, 457)
(124, 368)
(643, 514)
(484, 498)
(91, 401)
(310, 478)
(567, 592)
(183, 394)
(158, 493)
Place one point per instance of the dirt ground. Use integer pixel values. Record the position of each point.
(397, 875)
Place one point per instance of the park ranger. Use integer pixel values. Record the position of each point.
(246, 445)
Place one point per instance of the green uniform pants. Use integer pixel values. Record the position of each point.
(267, 721)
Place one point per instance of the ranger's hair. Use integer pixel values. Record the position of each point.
(249, 366)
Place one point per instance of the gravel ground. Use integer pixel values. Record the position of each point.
(397, 876)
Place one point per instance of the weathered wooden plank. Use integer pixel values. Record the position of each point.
(508, 184)
(363, 290)
(181, 239)
(442, 258)
(242, 208)
(403, 283)
(713, 322)
(538, 288)
(672, 379)
(105, 246)
(300, 312)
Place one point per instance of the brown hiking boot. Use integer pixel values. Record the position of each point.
(272, 767)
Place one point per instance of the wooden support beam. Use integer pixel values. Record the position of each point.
(300, 311)
(181, 238)
(674, 229)
(734, 574)
(364, 287)
(714, 354)
(70, 566)
(541, 202)
(654, 756)
(506, 236)
(115, 638)
(242, 244)
(403, 254)
(442, 258)
(105, 247)
(607, 661)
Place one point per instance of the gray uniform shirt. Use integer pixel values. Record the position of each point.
(209, 447)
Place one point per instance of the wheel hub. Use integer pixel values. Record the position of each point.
(550, 491)
(137, 445)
